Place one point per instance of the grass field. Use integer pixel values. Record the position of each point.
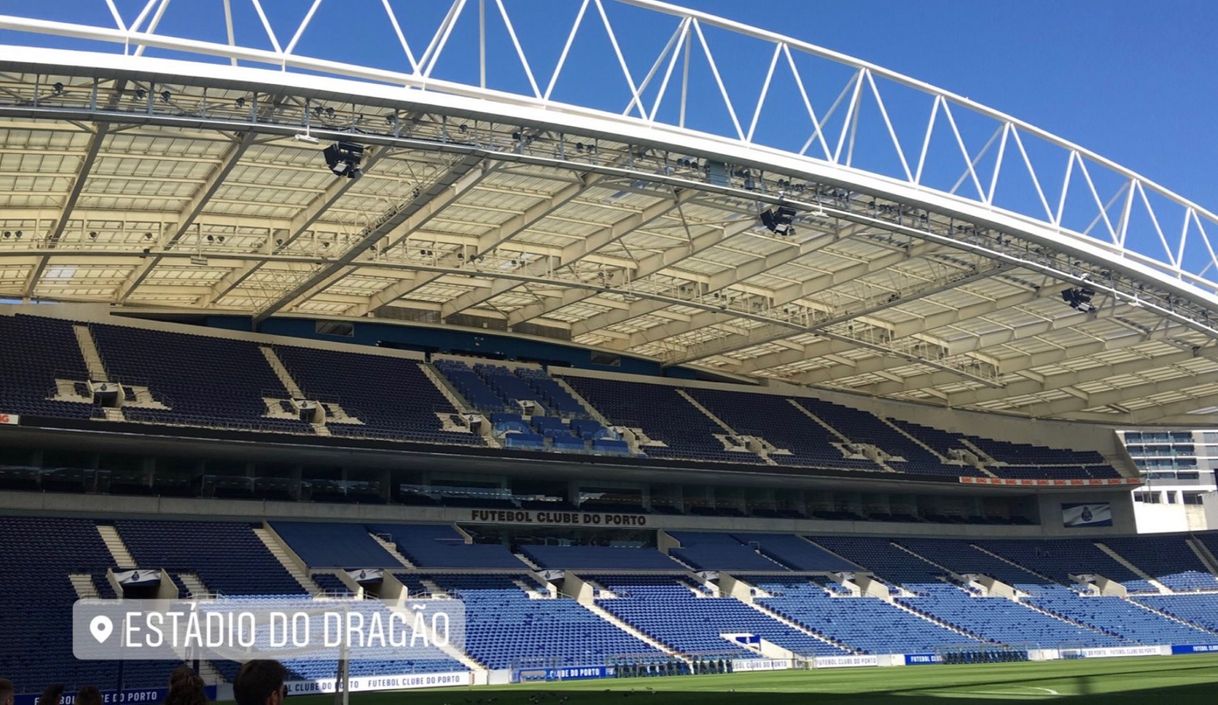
(1175, 680)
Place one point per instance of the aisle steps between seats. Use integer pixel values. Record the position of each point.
(1133, 568)
(287, 560)
(392, 550)
(114, 544)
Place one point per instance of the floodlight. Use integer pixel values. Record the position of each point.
(343, 158)
(778, 220)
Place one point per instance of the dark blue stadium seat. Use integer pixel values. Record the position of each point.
(205, 381)
(1166, 558)
(557, 400)
(333, 545)
(600, 558)
(712, 551)
(663, 415)
(473, 387)
(514, 621)
(37, 554)
(227, 556)
(507, 629)
(37, 352)
(795, 552)
(216, 382)
(390, 396)
(666, 609)
(864, 625)
(776, 420)
(440, 546)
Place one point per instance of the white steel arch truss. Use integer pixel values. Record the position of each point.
(1097, 196)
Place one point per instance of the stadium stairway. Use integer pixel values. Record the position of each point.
(592, 411)
(821, 422)
(924, 559)
(842, 438)
(706, 412)
(285, 377)
(750, 596)
(82, 583)
(450, 393)
(893, 600)
(1013, 564)
(444, 646)
(433, 588)
(1203, 552)
(391, 549)
(792, 624)
(1163, 614)
(983, 458)
(114, 544)
(193, 585)
(722, 424)
(94, 366)
(88, 350)
(913, 439)
(287, 558)
(1132, 568)
(459, 403)
(586, 596)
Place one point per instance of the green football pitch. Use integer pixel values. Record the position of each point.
(1175, 680)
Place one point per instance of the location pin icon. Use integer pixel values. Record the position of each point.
(100, 628)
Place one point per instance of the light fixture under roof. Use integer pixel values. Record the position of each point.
(778, 220)
(344, 158)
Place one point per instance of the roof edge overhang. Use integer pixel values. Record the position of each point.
(502, 107)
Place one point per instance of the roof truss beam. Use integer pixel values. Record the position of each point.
(300, 224)
(78, 186)
(785, 295)
(596, 242)
(1061, 407)
(487, 242)
(771, 332)
(1021, 365)
(429, 202)
(1177, 413)
(186, 217)
(900, 331)
(717, 282)
(1070, 379)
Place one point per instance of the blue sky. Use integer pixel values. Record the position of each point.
(1132, 82)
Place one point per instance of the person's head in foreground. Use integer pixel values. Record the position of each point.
(89, 695)
(260, 682)
(6, 692)
(185, 687)
(51, 695)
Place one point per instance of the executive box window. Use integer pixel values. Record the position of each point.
(340, 329)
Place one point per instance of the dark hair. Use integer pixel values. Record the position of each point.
(258, 680)
(180, 673)
(88, 695)
(185, 687)
(51, 695)
(6, 689)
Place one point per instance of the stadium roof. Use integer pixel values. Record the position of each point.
(159, 167)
